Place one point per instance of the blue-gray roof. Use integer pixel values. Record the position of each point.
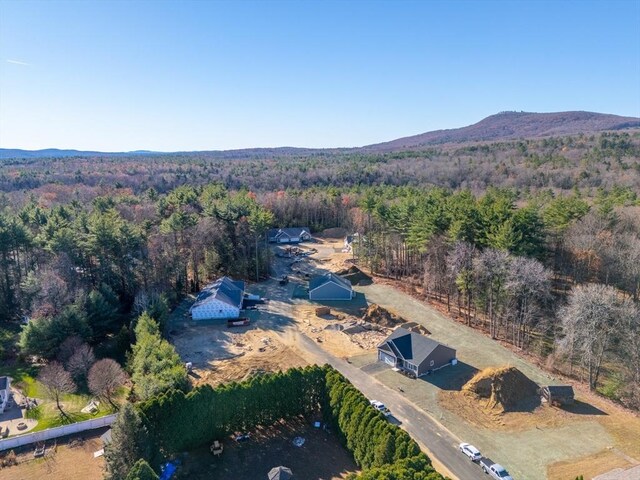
(320, 280)
(225, 290)
(410, 345)
(289, 231)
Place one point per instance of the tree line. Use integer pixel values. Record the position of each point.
(174, 422)
(509, 267)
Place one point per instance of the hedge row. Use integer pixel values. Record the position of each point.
(383, 450)
(177, 421)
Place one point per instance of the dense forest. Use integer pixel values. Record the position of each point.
(536, 241)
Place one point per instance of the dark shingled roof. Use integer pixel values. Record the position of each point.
(289, 231)
(224, 289)
(410, 345)
(320, 280)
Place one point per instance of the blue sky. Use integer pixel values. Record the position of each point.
(201, 75)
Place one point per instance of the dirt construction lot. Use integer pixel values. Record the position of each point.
(534, 442)
(220, 354)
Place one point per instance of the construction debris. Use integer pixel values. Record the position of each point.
(381, 316)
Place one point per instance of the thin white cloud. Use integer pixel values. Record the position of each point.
(18, 62)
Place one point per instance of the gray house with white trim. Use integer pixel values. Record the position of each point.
(413, 352)
(330, 287)
(289, 235)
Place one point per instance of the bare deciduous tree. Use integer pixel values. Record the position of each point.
(56, 381)
(105, 377)
(68, 348)
(80, 362)
(528, 285)
(460, 262)
(490, 271)
(592, 323)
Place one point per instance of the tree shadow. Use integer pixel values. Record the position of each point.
(452, 377)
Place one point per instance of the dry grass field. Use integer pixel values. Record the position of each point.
(71, 460)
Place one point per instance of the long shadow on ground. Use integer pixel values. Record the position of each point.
(452, 377)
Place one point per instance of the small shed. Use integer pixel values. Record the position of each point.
(280, 473)
(558, 394)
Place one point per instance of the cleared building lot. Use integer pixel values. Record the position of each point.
(531, 446)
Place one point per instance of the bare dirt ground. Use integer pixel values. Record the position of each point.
(342, 344)
(601, 462)
(72, 460)
(221, 354)
(321, 457)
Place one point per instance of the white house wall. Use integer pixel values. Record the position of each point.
(214, 309)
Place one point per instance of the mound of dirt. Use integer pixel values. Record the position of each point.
(416, 327)
(381, 316)
(355, 276)
(334, 232)
(505, 387)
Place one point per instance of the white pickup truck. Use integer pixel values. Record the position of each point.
(380, 407)
(494, 470)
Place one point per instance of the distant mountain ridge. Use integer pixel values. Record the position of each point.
(501, 126)
(61, 153)
(514, 125)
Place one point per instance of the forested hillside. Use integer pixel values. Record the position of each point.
(557, 163)
(511, 236)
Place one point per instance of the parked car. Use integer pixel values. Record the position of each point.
(494, 470)
(380, 407)
(470, 451)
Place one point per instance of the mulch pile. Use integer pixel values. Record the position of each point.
(505, 387)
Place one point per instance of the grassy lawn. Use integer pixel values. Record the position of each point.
(25, 379)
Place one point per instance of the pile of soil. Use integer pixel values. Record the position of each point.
(381, 316)
(355, 276)
(505, 387)
(416, 327)
(334, 232)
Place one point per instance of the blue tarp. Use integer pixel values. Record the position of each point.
(168, 470)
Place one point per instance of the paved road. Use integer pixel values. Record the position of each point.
(441, 445)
